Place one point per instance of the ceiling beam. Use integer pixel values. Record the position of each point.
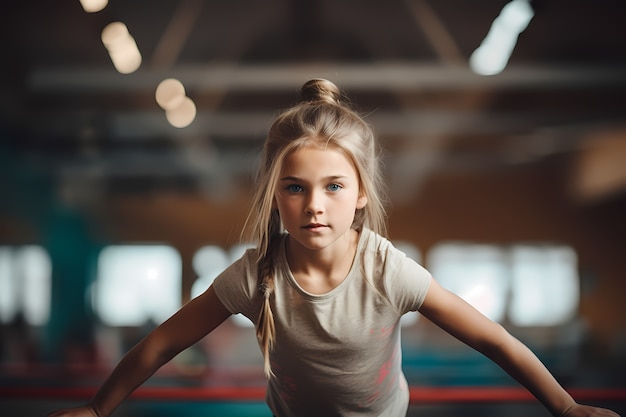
(176, 34)
(436, 32)
(148, 125)
(394, 76)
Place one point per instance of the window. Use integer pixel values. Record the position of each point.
(137, 284)
(544, 283)
(531, 285)
(477, 273)
(25, 284)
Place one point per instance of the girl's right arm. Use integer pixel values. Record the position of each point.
(190, 324)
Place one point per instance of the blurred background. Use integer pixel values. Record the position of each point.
(129, 134)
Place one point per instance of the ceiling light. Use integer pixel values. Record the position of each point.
(493, 54)
(170, 93)
(92, 6)
(183, 115)
(122, 47)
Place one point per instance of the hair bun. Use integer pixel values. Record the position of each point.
(319, 89)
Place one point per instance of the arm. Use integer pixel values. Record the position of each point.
(464, 322)
(192, 322)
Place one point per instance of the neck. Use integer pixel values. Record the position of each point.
(330, 264)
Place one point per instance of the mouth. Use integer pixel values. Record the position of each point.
(314, 226)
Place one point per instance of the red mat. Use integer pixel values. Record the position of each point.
(233, 393)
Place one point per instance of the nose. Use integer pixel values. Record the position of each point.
(314, 203)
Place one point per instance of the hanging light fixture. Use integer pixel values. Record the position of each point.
(493, 54)
(170, 93)
(93, 6)
(122, 47)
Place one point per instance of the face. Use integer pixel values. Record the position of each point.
(317, 195)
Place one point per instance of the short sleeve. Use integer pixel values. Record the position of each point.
(236, 286)
(408, 287)
(399, 278)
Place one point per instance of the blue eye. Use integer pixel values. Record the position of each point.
(294, 188)
(334, 187)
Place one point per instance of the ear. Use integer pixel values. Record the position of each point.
(361, 201)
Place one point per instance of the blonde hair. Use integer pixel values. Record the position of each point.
(319, 120)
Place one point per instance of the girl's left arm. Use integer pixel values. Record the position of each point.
(464, 322)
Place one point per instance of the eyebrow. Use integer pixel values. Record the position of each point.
(328, 178)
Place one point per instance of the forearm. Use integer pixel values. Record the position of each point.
(524, 366)
(141, 362)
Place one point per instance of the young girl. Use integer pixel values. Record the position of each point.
(325, 289)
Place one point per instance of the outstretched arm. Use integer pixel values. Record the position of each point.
(192, 322)
(464, 322)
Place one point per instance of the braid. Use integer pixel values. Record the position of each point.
(266, 329)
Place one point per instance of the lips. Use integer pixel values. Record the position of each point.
(314, 226)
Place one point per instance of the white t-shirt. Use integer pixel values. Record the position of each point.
(336, 354)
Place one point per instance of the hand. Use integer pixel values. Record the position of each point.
(588, 411)
(84, 411)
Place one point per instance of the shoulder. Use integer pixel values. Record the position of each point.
(402, 280)
(238, 282)
(379, 248)
(246, 264)
(378, 256)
